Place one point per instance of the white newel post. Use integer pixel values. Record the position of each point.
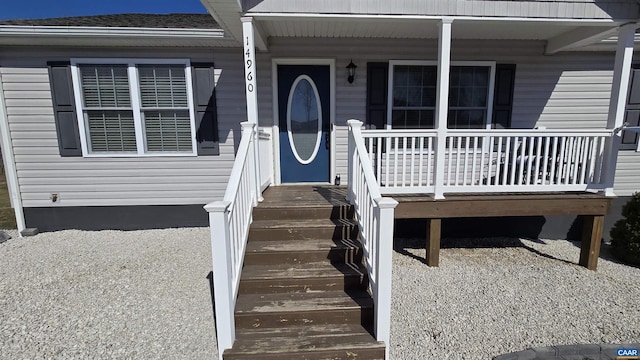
(222, 285)
(442, 104)
(385, 209)
(354, 126)
(618, 102)
(251, 90)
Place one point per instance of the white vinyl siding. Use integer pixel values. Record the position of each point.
(559, 91)
(569, 90)
(134, 107)
(113, 181)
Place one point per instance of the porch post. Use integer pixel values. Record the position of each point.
(442, 103)
(618, 102)
(222, 270)
(251, 90)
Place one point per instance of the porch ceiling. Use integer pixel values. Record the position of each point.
(415, 28)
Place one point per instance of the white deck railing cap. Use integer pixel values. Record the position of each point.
(217, 206)
(386, 203)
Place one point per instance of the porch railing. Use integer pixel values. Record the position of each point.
(229, 220)
(492, 160)
(374, 215)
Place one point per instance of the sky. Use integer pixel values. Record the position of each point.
(37, 9)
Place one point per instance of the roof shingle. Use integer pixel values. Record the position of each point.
(170, 21)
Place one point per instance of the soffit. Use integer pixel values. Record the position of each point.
(412, 28)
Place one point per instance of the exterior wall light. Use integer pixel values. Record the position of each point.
(351, 68)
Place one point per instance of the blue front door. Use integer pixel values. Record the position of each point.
(304, 110)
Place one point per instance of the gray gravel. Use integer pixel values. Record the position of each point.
(483, 302)
(107, 294)
(145, 295)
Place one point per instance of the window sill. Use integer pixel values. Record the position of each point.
(124, 155)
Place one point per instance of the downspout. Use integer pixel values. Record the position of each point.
(9, 162)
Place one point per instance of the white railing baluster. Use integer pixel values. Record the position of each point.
(404, 162)
(491, 160)
(583, 159)
(536, 171)
(569, 166)
(457, 167)
(387, 161)
(420, 160)
(496, 178)
(474, 162)
(378, 157)
(395, 161)
(449, 154)
(430, 163)
(505, 163)
(545, 162)
(554, 162)
(375, 217)
(592, 160)
(229, 220)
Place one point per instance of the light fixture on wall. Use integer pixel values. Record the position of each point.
(351, 68)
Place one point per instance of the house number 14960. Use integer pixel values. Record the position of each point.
(250, 85)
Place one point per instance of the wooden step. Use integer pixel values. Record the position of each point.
(283, 212)
(302, 251)
(311, 308)
(307, 277)
(333, 341)
(303, 229)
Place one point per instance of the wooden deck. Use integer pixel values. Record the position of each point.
(592, 207)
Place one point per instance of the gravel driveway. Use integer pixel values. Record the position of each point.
(107, 294)
(146, 295)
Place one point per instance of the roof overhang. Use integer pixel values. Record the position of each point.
(560, 34)
(112, 36)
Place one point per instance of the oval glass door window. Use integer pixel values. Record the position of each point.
(304, 119)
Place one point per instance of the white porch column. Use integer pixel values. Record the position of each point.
(618, 101)
(251, 90)
(442, 103)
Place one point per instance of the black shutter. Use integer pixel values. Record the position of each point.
(204, 94)
(632, 114)
(503, 96)
(377, 83)
(64, 108)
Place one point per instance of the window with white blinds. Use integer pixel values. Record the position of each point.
(135, 108)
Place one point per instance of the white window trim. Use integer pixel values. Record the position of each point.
(492, 76)
(134, 86)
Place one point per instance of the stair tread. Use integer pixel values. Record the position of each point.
(301, 223)
(302, 302)
(323, 269)
(305, 245)
(303, 339)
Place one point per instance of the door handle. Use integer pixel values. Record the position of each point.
(327, 136)
(327, 139)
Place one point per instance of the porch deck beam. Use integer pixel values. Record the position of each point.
(592, 207)
(495, 205)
